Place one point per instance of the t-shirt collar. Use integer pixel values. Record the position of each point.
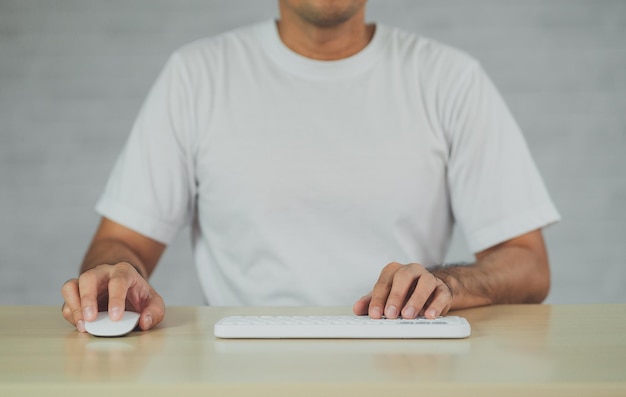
(317, 69)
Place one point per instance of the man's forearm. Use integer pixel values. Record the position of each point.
(507, 274)
(112, 251)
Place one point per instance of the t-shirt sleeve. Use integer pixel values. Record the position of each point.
(151, 189)
(496, 190)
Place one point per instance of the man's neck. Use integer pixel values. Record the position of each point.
(325, 43)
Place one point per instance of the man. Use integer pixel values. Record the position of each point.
(308, 153)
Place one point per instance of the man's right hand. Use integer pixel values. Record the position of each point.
(115, 288)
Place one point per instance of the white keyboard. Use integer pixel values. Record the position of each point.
(340, 327)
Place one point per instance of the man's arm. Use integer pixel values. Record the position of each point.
(113, 277)
(516, 271)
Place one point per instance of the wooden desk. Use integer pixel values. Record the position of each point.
(525, 350)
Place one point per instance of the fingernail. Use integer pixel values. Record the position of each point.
(391, 311)
(408, 312)
(115, 313)
(431, 313)
(375, 312)
(88, 313)
(147, 321)
(80, 325)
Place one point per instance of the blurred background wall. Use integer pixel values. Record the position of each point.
(73, 74)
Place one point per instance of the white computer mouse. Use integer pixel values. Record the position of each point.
(104, 326)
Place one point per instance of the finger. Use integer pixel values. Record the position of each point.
(143, 299)
(153, 313)
(118, 289)
(440, 302)
(403, 281)
(89, 289)
(361, 306)
(72, 310)
(426, 285)
(381, 290)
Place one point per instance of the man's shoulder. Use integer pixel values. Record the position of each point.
(238, 38)
(426, 50)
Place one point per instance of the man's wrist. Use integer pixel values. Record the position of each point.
(447, 274)
(138, 269)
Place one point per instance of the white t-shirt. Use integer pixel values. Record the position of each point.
(302, 179)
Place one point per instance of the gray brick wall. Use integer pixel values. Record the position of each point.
(74, 72)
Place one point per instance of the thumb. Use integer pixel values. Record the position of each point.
(153, 313)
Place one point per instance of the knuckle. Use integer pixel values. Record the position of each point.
(126, 266)
(392, 267)
(418, 270)
(77, 312)
(122, 271)
(404, 273)
(159, 311)
(430, 278)
(68, 286)
(445, 290)
(121, 267)
(71, 314)
(417, 266)
(88, 276)
(126, 269)
(411, 270)
(66, 310)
